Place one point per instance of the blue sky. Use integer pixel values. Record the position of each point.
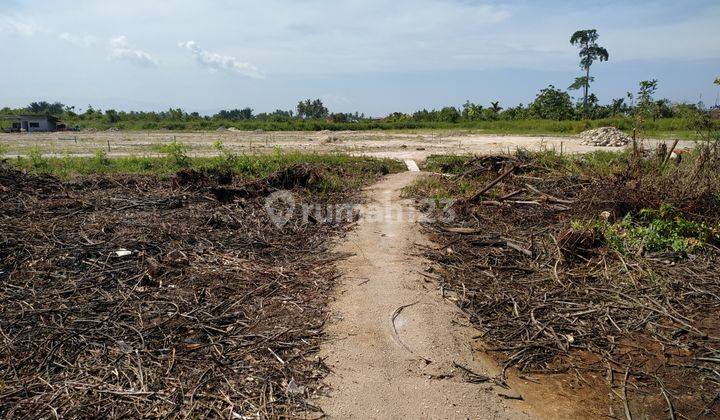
(372, 56)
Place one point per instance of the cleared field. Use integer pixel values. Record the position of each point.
(399, 145)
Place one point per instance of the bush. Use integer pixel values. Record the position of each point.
(178, 152)
(656, 230)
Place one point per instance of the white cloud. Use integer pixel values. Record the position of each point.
(18, 26)
(214, 61)
(122, 51)
(82, 41)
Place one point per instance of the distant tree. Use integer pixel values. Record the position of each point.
(519, 112)
(593, 105)
(590, 51)
(662, 109)
(717, 81)
(340, 117)
(495, 106)
(112, 116)
(646, 103)
(312, 109)
(235, 114)
(397, 117)
(552, 104)
(44, 107)
(449, 114)
(471, 111)
(618, 107)
(631, 99)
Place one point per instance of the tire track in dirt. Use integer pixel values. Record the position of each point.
(393, 340)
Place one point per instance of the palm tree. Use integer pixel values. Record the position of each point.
(589, 52)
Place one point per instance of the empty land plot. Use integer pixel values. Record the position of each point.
(400, 145)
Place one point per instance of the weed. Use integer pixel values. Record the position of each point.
(178, 152)
(36, 158)
(654, 230)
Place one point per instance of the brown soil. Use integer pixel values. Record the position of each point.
(397, 348)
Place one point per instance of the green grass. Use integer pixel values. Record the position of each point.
(246, 166)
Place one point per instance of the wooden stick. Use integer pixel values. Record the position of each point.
(670, 151)
(489, 186)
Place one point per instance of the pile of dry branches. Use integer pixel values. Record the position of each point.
(137, 297)
(550, 299)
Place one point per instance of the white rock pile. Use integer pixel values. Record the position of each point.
(606, 137)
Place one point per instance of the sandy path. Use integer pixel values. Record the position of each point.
(377, 374)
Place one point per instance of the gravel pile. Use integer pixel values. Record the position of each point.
(605, 136)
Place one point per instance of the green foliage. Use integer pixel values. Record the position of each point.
(581, 82)
(235, 114)
(36, 157)
(646, 104)
(101, 158)
(590, 51)
(112, 116)
(309, 109)
(3, 151)
(178, 152)
(655, 230)
(472, 112)
(43, 107)
(552, 104)
(345, 171)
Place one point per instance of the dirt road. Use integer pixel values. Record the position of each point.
(394, 340)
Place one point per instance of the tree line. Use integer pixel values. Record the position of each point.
(551, 103)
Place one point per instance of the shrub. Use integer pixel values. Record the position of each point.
(655, 230)
(178, 152)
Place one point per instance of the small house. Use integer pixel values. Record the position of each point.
(33, 123)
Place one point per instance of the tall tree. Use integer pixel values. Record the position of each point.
(590, 51)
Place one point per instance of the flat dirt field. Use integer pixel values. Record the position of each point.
(400, 145)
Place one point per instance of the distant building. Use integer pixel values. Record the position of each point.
(33, 123)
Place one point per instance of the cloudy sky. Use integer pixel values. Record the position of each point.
(372, 56)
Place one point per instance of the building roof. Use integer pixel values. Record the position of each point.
(28, 116)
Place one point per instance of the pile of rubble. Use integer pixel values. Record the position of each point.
(605, 136)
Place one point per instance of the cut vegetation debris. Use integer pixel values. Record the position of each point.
(134, 296)
(603, 266)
